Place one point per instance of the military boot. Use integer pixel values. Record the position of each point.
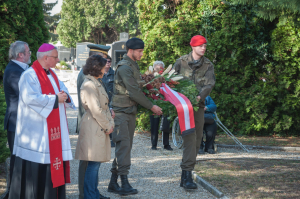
(182, 178)
(188, 183)
(126, 188)
(113, 184)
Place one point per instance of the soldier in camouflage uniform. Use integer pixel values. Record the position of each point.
(127, 94)
(200, 70)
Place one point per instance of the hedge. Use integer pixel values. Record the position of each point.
(19, 20)
(256, 61)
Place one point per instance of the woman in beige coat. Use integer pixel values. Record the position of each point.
(93, 143)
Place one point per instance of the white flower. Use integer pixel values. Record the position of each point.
(156, 74)
(167, 70)
(179, 77)
(151, 69)
(171, 73)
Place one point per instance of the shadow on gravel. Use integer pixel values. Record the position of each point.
(252, 177)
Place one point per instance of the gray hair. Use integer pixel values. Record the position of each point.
(16, 48)
(42, 54)
(159, 63)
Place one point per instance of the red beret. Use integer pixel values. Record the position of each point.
(198, 40)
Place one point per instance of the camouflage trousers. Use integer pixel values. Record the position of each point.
(192, 142)
(123, 137)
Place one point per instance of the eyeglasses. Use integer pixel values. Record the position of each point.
(108, 61)
(53, 57)
(27, 52)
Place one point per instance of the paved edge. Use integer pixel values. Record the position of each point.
(261, 147)
(206, 185)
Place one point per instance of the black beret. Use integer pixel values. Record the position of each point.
(135, 43)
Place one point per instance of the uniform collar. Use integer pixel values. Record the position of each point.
(195, 63)
(125, 57)
(110, 71)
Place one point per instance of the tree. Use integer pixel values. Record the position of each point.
(271, 9)
(96, 21)
(51, 21)
(19, 20)
(256, 61)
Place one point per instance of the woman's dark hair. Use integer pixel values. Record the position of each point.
(94, 65)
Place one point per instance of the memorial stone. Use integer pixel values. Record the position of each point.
(64, 53)
(118, 49)
(124, 36)
(82, 53)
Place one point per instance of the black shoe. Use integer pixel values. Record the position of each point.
(153, 148)
(112, 144)
(211, 151)
(103, 197)
(168, 147)
(126, 188)
(113, 184)
(182, 178)
(188, 183)
(201, 151)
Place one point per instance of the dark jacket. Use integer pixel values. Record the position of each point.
(211, 108)
(128, 88)
(108, 81)
(80, 80)
(11, 79)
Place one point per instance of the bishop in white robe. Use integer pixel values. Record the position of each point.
(38, 174)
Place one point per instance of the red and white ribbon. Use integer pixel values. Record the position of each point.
(184, 109)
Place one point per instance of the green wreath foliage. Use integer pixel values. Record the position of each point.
(256, 61)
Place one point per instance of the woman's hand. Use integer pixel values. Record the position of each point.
(111, 130)
(112, 114)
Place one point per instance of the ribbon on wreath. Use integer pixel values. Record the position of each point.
(184, 109)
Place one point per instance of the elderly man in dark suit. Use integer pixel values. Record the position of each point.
(19, 56)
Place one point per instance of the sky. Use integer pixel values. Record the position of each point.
(57, 7)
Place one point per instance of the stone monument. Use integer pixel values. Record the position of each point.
(82, 53)
(118, 49)
(124, 36)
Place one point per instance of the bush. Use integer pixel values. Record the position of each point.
(19, 20)
(4, 151)
(256, 61)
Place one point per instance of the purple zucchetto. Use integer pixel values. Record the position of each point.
(46, 47)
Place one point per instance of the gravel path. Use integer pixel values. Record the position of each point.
(156, 174)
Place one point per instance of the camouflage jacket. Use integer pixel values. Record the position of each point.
(128, 85)
(201, 72)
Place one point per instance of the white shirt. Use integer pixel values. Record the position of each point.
(23, 65)
(31, 139)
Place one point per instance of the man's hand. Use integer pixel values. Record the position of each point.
(205, 108)
(112, 114)
(198, 98)
(156, 110)
(62, 97)
(111, 130)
